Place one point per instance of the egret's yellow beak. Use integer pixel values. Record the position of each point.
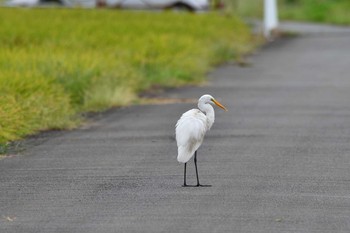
(219, 104)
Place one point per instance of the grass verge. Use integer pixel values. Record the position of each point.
(58, 63)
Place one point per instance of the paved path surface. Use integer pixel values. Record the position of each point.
(279, 160)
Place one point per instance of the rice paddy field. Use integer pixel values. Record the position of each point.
(56, 64)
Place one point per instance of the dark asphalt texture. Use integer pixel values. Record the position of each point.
(278, 160)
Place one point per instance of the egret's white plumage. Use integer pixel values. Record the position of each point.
(191, 128)
(190, 131)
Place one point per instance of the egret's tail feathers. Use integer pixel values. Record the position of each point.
(184, 154)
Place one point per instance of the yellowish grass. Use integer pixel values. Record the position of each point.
(57, 63)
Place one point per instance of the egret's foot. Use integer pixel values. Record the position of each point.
(187, 185)
(198, 185)
(190, 186)
(203, 185)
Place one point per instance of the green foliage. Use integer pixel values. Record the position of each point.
(328, 11)
(325, 11)
(57, 63)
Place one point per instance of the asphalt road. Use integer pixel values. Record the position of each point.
(278, 161)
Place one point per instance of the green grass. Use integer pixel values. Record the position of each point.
(323, 11)
(58, 63)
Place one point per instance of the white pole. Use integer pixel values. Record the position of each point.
(270, 17)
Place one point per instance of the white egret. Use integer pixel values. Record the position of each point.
(191, 128)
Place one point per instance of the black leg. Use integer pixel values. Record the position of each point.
(195, 164)
(185, 175)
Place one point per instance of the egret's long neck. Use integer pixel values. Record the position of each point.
(209, 112)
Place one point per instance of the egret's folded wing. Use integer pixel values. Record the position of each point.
(190, 131)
